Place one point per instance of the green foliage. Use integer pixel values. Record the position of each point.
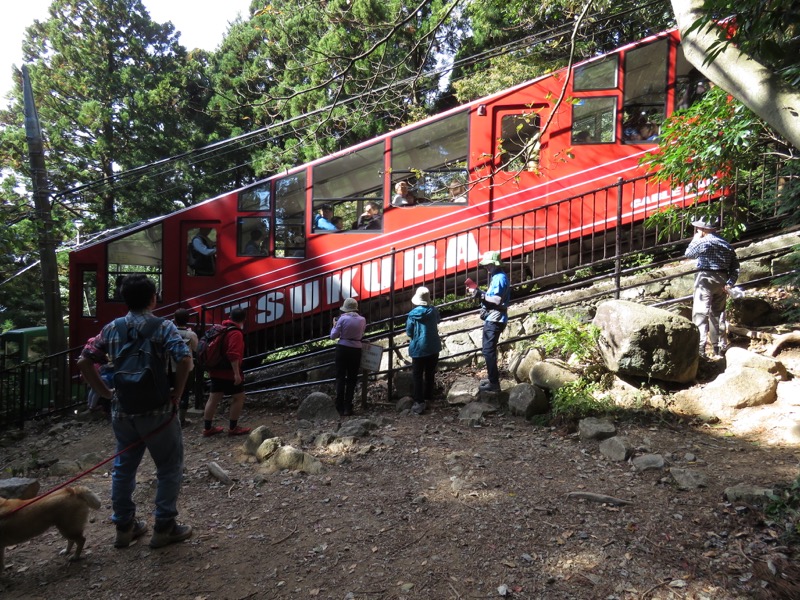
(580, 399)
(567, 336)
(784, 505)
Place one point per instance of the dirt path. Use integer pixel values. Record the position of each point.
(428, 508)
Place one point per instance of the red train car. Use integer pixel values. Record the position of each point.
(487, 160)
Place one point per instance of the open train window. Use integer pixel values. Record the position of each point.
(201, 252)
(645, 95)
(598, 75)
(594, 120)
(139, 252)
(89, 293)
(348, 184)
(430, 158)
(690, 84)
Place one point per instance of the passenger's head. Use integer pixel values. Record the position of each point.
(401, 187)
(456, 188)
(337, 222)
(238, 315)
(326, 210)
(138, 291)
(181, 317)
(255, 234)
(371, 208)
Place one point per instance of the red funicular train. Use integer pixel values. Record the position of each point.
(470, 166)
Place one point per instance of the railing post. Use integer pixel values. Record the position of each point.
(618, 243)
(390, 374)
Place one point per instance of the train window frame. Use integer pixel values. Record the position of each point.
(431, 157)
(597, 117)
(348, 183)
(256, 198)
(289, 216)
(147, 246)
(247, 244)
(601, 74)
(644, 94)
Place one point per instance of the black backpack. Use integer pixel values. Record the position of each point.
(140, 373)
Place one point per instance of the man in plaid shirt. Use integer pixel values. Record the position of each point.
(718, 270)
(155, 430)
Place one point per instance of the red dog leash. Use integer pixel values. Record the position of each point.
(97, 466)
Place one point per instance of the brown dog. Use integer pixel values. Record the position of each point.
(67, 510)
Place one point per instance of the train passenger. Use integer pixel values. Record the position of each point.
(403, 196)
(253, 246)
(494, 314)
(370, 218)
(338, 222)
(323, 219)
(424, 347)
(228, 378)
(203, 253)
(348, 329)
(458, 192)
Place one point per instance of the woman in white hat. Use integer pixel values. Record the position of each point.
(348, 329)
(422, 328)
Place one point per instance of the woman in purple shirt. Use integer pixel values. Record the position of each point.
(348, 329)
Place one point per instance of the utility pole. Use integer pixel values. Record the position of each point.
(54, 315)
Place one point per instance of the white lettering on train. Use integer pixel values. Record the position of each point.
(670, 195)
(376, 277)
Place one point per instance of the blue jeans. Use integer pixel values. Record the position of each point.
(166, 449)
(491, 336)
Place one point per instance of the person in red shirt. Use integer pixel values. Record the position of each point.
(227, 378)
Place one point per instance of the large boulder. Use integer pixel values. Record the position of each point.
(647, 342)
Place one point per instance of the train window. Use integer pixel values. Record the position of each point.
(201, 251)
(347, 184)
(599, 75)
(290, 203)
(690, 84)
(518, 145)
(256, 198)
(252, 235)
(645, 95)
(89, 294)
(427, 159)
(593, 120)
(139, 252)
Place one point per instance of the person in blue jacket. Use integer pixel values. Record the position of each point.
(422, 327)
(494, 314)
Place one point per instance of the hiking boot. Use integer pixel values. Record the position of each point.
(212, 431)
(172, 534)
(127, 533)
(239, 430)
(418, 408)
(489, 387)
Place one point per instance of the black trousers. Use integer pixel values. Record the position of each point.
(348, 362)
(423, 374)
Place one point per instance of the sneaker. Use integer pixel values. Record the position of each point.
(125, 535)
(489, 387)
(418, 408)
(212, 431)
(238, 430)
(173, 534)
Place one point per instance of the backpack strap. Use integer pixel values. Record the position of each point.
(147, 330)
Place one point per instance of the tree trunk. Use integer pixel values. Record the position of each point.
(750, 82)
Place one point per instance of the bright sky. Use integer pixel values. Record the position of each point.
(201, 24)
